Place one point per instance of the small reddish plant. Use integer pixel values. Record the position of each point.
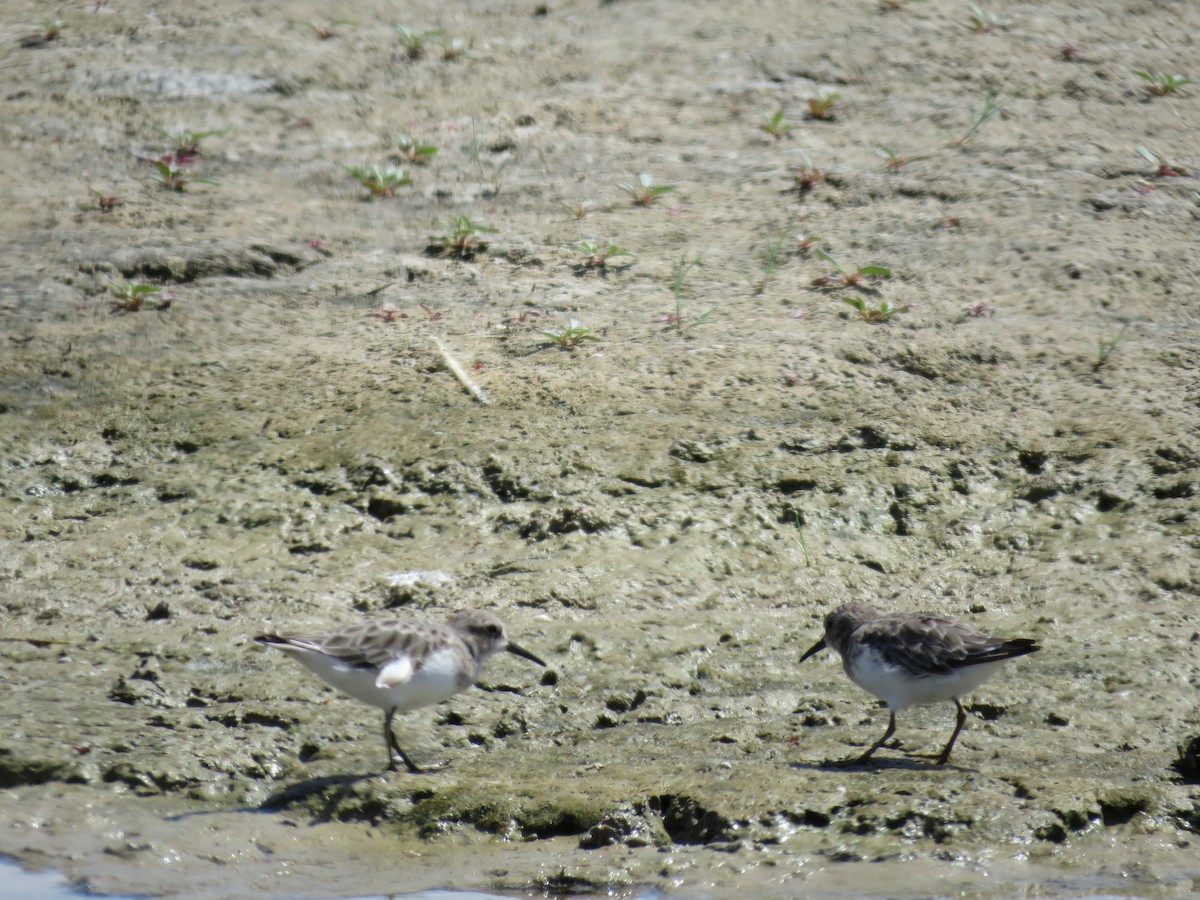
(414, 151)
(597, 256)
(107, 202)
(174, 177)
(461, 239)
(570, 336)
(644, 191)
(821, 106)
(185, 145)
(381, 181)
(806, 175)
(1162, 168)
(978, 310)
(130, 296)
(843, 277)
(876, 315)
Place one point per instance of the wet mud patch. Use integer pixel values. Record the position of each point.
(664, 510)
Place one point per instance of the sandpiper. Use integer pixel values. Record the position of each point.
(912, 659)
(401, 664)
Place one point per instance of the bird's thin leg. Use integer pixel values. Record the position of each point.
(944, 756)
(859, 760)
(394, 747)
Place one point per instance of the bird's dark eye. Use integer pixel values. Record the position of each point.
(492, 631)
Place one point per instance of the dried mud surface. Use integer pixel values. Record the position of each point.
(664, 517)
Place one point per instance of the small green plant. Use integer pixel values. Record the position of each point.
(461, 239)
(416, 43)
(597, 256)
(679, 318)
(569, 336)
(982, 20)
(884, 312)
(578, 209)
(772, 257)
(644, 191)
(988, 108)
(1160, 83)
(130, 296)
(413, 151)
(1106, 342)
(776, 125)
(1162, 168)
(174, 177)
(107, 202)
(844, 277)
(379, 180)
(821, 106)
(894, 162)
(185, 145)
(807, 175)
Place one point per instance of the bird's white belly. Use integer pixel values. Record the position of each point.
(899, 687)
(438, 678)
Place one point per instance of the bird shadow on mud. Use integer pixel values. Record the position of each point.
(282, 799)
(876, 765)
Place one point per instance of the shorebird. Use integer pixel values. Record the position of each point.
(401, 664)
(912, 659)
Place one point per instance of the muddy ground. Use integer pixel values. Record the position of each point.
(664, 510)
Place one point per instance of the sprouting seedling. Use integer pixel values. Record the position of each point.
(578, 209)
(174, 177)
(416, 43)
(844, 277)
(644, 191)
(821, 106)
(107, 202)
(983, 20)
(988, 108)
(978, 310)
(894, 162)
(415, 151)
(776, 125)
(1106, 343)
(569, 336)
(806, 174)
(1161, 83)
(679, 274)
(326, 30)
(379, 180)
(884, 312)
(130, 296)
(1162, 168)
(597, 256)
(773, 256)
(185, 145)
(1069, 52)
(433, 314)
(461, 239)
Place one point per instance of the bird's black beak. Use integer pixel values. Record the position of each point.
(815, 648)
(521, 651)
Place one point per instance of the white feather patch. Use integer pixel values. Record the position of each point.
(398, 671)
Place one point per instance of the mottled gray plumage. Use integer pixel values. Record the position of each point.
(400, 663)
(908, 659)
